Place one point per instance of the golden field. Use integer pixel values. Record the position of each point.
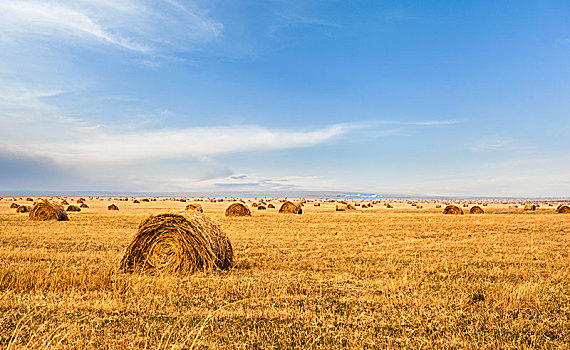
(370, 278)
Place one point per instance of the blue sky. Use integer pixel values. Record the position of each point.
(426, 97)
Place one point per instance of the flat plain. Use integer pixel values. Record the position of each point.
(367, 278)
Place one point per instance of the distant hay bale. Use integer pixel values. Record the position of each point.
(145, 200)
(465, 205)
(112, 207)
(350, 207)
(270, 206)
(29, 199)
(563, 209)
(83, 205)
(64, 202)
(340, 207)
(45, 210)
(476, 210)
(453, 210)
(484, 204)
(73, 208)
(290, 208)
(317, 204)
(261, 207)
(14, 206)
(194, 207)
(80, 200)
(531, 207)
(389, 206)
(356, 204)
(254, 205)
(438, 206)
(364, 206)
(136, 201)
(238, 209)
(23, 209)
(180, 243)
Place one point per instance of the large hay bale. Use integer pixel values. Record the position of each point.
(453, 210)
(29, 199)
(270, 206)
(83, 205)
(64, 202)
(73, 208)
(194, 207)
(476, 210)
(350, 207)
(136, 201)
(261, 207)
(340, 207)
(531, 207)
(14, 205)
(112, 207)
(45, 210)
(290, 208)
(438, 206)
(316, 204)
(563, 209)
(23, 209)
(145, 200)
(238, 209)
(389, 206)
(254, 205)
(178, 242)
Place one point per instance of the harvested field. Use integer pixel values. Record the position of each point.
(374, 278)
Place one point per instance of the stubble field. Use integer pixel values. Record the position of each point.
(369, 278)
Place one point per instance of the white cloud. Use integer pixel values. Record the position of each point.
(139, 26)
(500, 144)
(94, 146)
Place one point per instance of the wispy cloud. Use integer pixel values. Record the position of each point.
(500, 145)
(102, 147)
(138, 26)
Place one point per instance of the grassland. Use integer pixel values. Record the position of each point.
(370, 278)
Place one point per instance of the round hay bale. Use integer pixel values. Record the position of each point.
(29, 199)
(350, 207)
(45, 210)
(261, 207)
(437, 206)
(112, 207)
(254, 205)
(136, 201)
(270, 206)
(73, 208)
(83, 205)
(23, 209)
(389, 206)
(80, 200)
(180, 243)
(340, 207)
(453, 210)
(194, 207)
(531, 207)
(238, 209)
(290, 208)
(563, 209)
(64, 202)
(14, 206)
(317, 204)
(145, 200)
(476, 210)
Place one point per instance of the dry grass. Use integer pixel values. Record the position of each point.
(375, 278)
